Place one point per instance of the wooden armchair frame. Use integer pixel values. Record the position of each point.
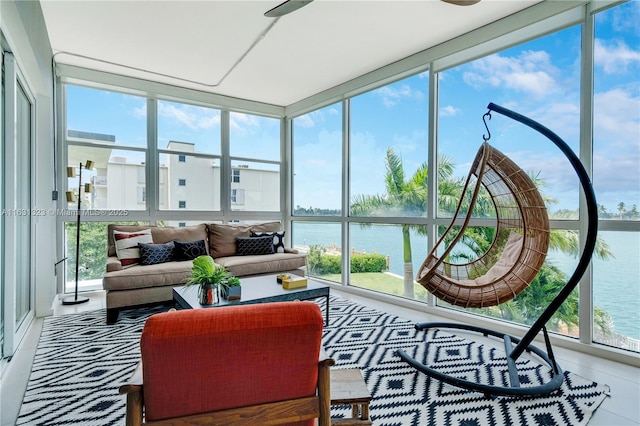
(263, 341)
(273, 413)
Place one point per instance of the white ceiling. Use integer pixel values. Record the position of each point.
(195, 44)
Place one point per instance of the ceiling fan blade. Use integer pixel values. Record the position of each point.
(286, 8)
(462, 2)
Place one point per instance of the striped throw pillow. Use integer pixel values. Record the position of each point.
(127, 245)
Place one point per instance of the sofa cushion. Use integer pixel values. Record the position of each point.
(127, 245)
(152, 254)
(254, 245)
(262, 264)
(222, 238)
(189, 250)
(278, 239)
(144, 276)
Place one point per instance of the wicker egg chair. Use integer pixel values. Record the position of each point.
(519, 247)
(510, 264)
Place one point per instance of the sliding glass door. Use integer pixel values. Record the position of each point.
(17, 291)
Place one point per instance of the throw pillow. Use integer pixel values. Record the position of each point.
(278, 239)
(254, 245)
(152, 254)
(188, 250)
(127, 245)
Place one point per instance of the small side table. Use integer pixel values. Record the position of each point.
(348, 388)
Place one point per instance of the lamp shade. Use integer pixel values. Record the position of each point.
(71, 172)
(89, 165)
(88, 187)
(70, 197)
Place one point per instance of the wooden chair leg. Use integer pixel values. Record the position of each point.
(134, 409)
(324, 395)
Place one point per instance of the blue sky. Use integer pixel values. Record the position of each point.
(539, 79)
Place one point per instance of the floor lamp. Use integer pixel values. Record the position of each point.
(71, 172)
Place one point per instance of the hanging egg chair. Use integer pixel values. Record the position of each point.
(520, 242)
(509, 265)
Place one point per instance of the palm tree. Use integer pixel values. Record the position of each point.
(408, 197)
(621, 209)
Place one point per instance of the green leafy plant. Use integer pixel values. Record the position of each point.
(206, 271)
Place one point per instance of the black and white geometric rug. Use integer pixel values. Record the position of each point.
(80, 362)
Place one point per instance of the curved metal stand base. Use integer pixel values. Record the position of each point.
(514, 390)
(74, 300)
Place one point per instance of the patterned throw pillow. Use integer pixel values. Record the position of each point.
(278, 239)
(188, 250)
(152, 254)
(127, 245)
(254, 245)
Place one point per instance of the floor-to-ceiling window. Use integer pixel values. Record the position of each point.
(165, 162)
(385, 180)
(317, 171)
(616, 162)
(255, 159)
(541, 80)
(189, 152)
(539, 73)
(110, 129)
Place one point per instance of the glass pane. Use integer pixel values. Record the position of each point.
(616, 131)
(538, 79)
(93, 254)
(255, 186)
(23, 202)
(389, 150)
(616, 293)
(117, 178)
(382, 260)
(317, 162)
(322, 242)
(2, 205)
(117, 118)
(189, 182)
(253, 136)
(188, 128)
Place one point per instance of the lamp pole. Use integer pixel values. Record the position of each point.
(75, 300)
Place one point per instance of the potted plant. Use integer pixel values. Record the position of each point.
(231, 289)
(209, 277)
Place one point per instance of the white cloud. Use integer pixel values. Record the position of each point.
(304, 121)
(614, 57)
(449, 111)
(241, 123)
(140, 112)
(392, 95)
(616, 119)
(531, 72)
(189, 116)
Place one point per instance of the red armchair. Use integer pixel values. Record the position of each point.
(252, 364)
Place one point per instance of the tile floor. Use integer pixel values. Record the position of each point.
(620, 409)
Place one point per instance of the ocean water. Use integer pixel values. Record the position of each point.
(617, 281)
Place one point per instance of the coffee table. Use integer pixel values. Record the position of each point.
(262, 289)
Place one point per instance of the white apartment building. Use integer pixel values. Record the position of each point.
(186, 181)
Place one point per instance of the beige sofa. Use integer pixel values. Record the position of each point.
(145, 284)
